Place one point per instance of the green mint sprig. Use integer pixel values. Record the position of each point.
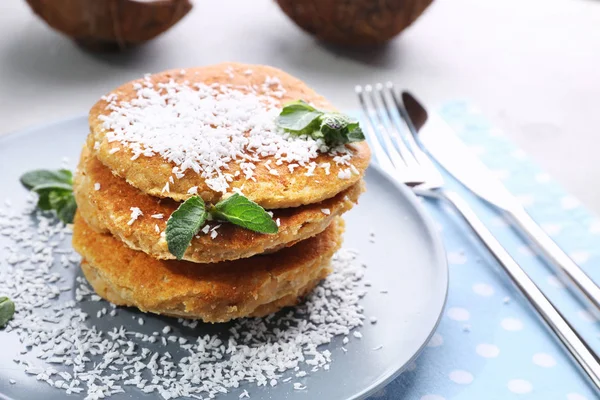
(55, 191)
(300, 118)
(184, 224)
(191, 215)
(7, 310)
(240, 211)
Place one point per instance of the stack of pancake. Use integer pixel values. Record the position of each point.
(209, 132)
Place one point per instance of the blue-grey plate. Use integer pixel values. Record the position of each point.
(406, 266)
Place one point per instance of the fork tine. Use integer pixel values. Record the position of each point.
(395, 129)
(385, 153)
(416, 150)
(424, 160)
(427, 168)
(380, 154)
(396, 157)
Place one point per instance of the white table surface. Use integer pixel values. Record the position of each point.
(532, 66)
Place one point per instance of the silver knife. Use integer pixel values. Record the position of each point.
(441, 142)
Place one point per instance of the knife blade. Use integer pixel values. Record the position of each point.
(439, 140)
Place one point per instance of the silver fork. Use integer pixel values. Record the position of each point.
(398, 154)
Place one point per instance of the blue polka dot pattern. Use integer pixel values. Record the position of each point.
(490, 344)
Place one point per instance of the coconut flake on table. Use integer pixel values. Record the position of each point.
(244, 395)
(63, 346)
(204, 128)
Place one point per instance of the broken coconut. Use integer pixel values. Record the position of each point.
(354, 23)
(111, 24)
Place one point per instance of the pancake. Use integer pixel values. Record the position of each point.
(212, 292)
(108, 209)
(211, 130)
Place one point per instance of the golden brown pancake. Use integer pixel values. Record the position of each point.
(108, 209)
(271, 185)
(212, 292)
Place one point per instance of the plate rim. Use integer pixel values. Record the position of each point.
(438, 252)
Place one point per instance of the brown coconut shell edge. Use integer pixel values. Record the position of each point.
(110, 24)
(355, 23)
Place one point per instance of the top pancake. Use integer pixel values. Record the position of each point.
(212, 130)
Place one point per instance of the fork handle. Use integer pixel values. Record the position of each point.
(575, 344)
(587, 290)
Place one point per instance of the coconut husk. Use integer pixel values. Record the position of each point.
(356, 22)
(111, 24)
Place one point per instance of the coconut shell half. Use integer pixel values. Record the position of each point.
(355, 22)
(111, 24)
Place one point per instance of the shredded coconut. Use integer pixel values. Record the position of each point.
(326, 167)
(96, 186)
(345, 174)
(135, 214)
(63, 345)
(204, 128)
(157, 216)
(299, 386)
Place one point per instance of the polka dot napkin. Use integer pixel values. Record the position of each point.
(490, 344)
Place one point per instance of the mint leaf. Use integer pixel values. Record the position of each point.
(184, 224)
(55, 191)
(44, 200)
(240, 211)
(334, 128)
(299, 117)
(340, 129)
(40, 177)
(7, 310)
(190, 216)
(52, 186)
(65, 206)
(297, 105)
(355, 134)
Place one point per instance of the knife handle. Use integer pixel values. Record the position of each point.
(576, 278)
(575, 344)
